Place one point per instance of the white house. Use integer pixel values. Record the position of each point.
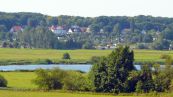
(74, 29)
(59, 30)
(143, 32)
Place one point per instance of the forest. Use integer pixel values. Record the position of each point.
(142, 32)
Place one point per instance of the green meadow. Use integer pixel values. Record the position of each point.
(18, 82)
(7, 93)
(21, 80)
(39, 56)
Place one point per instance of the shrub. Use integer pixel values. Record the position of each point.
(165, 56)
(49, 79)
(3, 81)
(58, 79)
(142, 46)
(95, 59)
(139, 87)
(162, 82)
(48, 61)
(66, 56)
(87, 45)
(76, 81)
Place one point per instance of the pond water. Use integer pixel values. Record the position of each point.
(81, 67)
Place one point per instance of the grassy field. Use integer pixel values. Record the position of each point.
(6, 93)
(12, 93)
(23, 80)
(15, 56)
(36, 56)
(19, 81)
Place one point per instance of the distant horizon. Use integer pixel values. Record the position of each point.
(86, 16)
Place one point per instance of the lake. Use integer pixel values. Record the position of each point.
(81, 67)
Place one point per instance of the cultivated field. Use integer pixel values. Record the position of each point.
(38, 56)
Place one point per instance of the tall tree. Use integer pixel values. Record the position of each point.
(117, 32)
(110, 74)
(132, 25)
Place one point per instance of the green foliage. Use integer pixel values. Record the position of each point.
(58, 79)
(87, 45)
(121, 29)
(168, 61)
(155, 79)
(168, 34)
(66, 56)
(98, 75)
(110, 74)
(147, 38)
(76, 81)
(116, 73)
(116, 31)
(146, 84)
(3, 81)
(160, 44)
(48, 61)
(39, 37)
(49, 79)
(142, 46)
(162, 82)
(95, 59)
(139, 87)
(165, 56)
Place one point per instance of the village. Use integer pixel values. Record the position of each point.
(62, 32)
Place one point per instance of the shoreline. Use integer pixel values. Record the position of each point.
(68, 62)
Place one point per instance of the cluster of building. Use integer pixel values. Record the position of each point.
(58, 30)
(108, 46)
(63, 30)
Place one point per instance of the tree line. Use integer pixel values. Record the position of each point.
(107, 23)
(146, 32)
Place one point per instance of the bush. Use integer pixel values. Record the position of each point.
(66, 56)
(162, 82)
(165, 56)
(48, 61)
(139, 87)
(58, 79)
(3, 81)
(142, 46)
(87, 45)
(95, 59)
(49, 79)
(76, 81)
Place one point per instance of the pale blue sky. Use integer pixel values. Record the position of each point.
(91, 8)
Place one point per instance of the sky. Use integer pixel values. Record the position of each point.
(90, 8)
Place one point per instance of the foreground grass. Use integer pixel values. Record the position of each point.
(20, 83)
(38, 56)
(10, 93)
(6, 93)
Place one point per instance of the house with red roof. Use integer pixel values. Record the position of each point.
(16, 29)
